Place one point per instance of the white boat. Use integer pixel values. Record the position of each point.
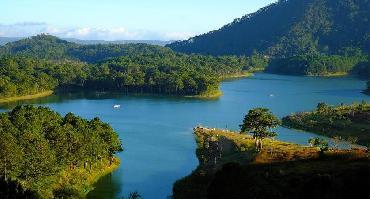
(117, 106)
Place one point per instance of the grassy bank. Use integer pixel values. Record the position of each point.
(208, 95)
(26, 97)
(346, 121)
(233, 169)
(237, 75)
(334, 74)
(75, 183)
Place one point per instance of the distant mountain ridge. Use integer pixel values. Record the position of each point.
(5, 40)
(46, 46)
(289, 28)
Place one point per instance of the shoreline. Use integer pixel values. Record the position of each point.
(26, 97)
(219, 151)
(93, 179)
(81, 181)
(237, 76)
(208, 95)
(67, 183)
(335, 74)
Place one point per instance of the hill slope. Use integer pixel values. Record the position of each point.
(289, 28)
(53, 48)
(46, 63)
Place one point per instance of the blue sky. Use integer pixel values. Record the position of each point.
(121, 19)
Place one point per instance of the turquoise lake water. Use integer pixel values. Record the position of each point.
(157, 131)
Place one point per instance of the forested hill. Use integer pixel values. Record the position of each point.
(5, 40)
(53, 48)
(289, 28)
(46, 63)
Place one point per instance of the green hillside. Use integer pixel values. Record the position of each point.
(289, 28)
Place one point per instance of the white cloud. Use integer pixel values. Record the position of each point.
(26, 29)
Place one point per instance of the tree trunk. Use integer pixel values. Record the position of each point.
(5, 171)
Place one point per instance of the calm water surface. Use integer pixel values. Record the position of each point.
(157, 131)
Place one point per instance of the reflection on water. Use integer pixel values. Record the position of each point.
(157, 130)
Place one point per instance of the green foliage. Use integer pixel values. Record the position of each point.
(27, 69)
(318, 64)
(37, 143)
(259, 121)
(23, 76)
(289, 28)
(346, 121)
(322, 144)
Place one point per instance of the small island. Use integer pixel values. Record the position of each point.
(346, 122)
(45, 155)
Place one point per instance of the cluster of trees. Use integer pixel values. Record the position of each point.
(168, 73)
(315, 64)
(37, 142)
(45, 62)
(24, 76)
(347, 121)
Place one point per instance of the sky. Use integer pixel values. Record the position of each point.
(120, 19)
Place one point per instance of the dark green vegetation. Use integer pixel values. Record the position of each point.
(353, 62)
(288, 28)
(44, 62)
(325, 178)
(306, 37)
(13, 189)
(231, 168)
(53, 155)
(347, 121)
(259, 122)
(24, 76)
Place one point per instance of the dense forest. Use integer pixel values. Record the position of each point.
(45, 62)
(309, 37)
(351, 61)
(38, 147)
(347, 122)
(289, 28)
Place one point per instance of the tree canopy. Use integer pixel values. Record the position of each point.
(259, 122)
(289, 28)
(46, 62)
(37, 143)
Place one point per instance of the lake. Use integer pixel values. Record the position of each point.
(157, 131)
